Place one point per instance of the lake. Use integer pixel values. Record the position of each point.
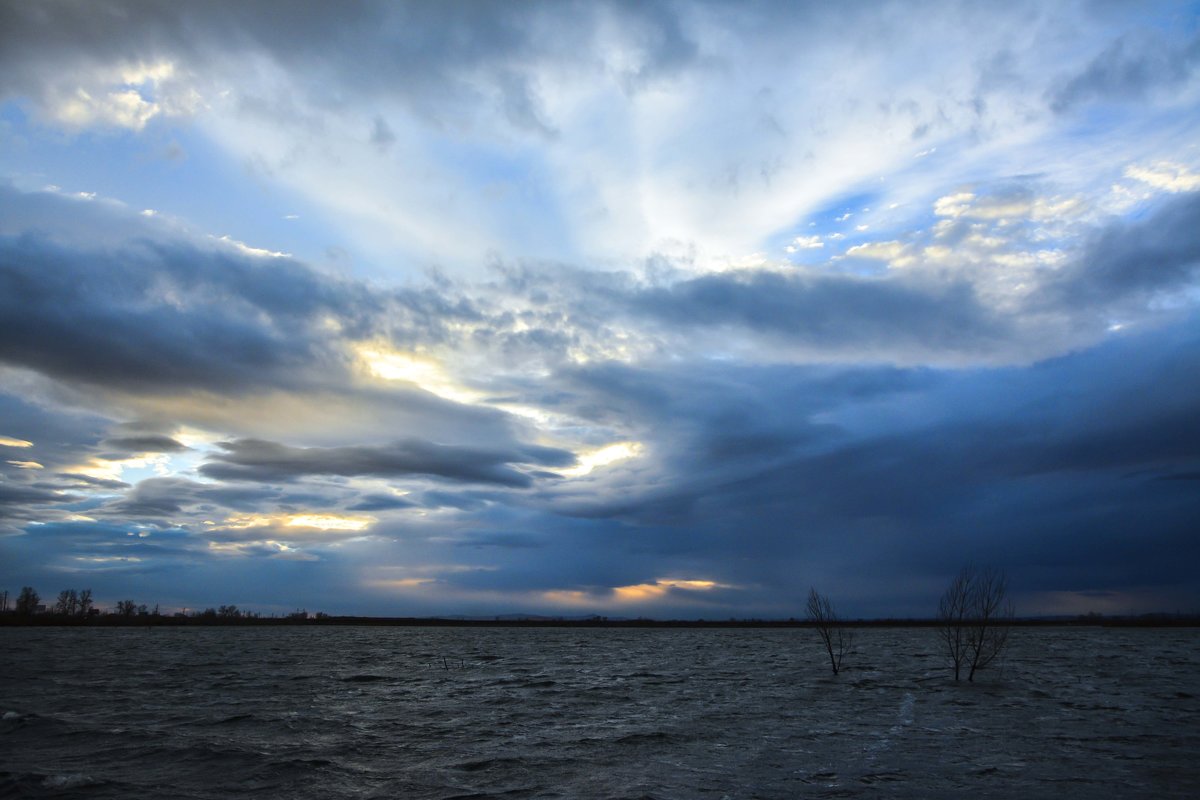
(365, 712)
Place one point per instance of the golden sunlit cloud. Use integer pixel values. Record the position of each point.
(323, 522)
(329, 522)
(634, 593)
(568, 597)
(426, 373)
(401, 583)
(26, 464)
(8, 441)
(193, 437)
(650, 591)
(104, 469)
(603, 456)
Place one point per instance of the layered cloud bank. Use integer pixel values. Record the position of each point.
(667, 309)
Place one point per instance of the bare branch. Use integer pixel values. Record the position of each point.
(837, 639)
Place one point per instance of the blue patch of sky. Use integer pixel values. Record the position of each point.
(841, 216)
(90, 503)
(170, 169)
(514, 183)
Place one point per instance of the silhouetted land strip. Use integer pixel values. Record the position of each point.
(200, 621)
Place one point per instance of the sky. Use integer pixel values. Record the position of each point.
(665, 309)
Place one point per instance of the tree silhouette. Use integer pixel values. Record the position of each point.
(68, 603)
(27, 601)
(837, 640)
(974, 617)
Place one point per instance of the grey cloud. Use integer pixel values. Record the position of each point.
(256, 460)
(1131, 261)
(380, 502)
(155, 498)
(382, 135)
(463, 501)
(500, 539)
(836, 311)
(59, 439)
(1131, 68)
(899, 317)
(434, 57)
(13, 498)
(148, 443)
(893, 318)
(88, 481)
(522, 106)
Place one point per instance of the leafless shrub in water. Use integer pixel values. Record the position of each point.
(837, 639)
(974, 617)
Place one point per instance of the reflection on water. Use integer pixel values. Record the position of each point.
(440, 713)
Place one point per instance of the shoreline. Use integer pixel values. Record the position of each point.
(138, 621)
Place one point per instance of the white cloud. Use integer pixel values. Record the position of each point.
(883, 251)
(122, 109)
(1166, 175)
(953, 205)
(257, 252)
(805, 243)
(119, 96)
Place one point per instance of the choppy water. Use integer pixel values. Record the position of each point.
(516, 713)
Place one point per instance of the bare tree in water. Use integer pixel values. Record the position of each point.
(974, 618)
(837, 639)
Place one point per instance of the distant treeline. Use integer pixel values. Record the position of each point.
(75, 607)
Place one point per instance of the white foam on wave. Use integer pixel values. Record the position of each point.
(71, 781)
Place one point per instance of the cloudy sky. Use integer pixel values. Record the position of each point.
(664, 309)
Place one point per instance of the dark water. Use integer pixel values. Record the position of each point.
(515, 713)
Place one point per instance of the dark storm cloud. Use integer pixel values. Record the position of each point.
(924, 469)
(150, 311)
(95, 548)
(1134, 260)
(1131, 68)
(104, 318)
(256, 460)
